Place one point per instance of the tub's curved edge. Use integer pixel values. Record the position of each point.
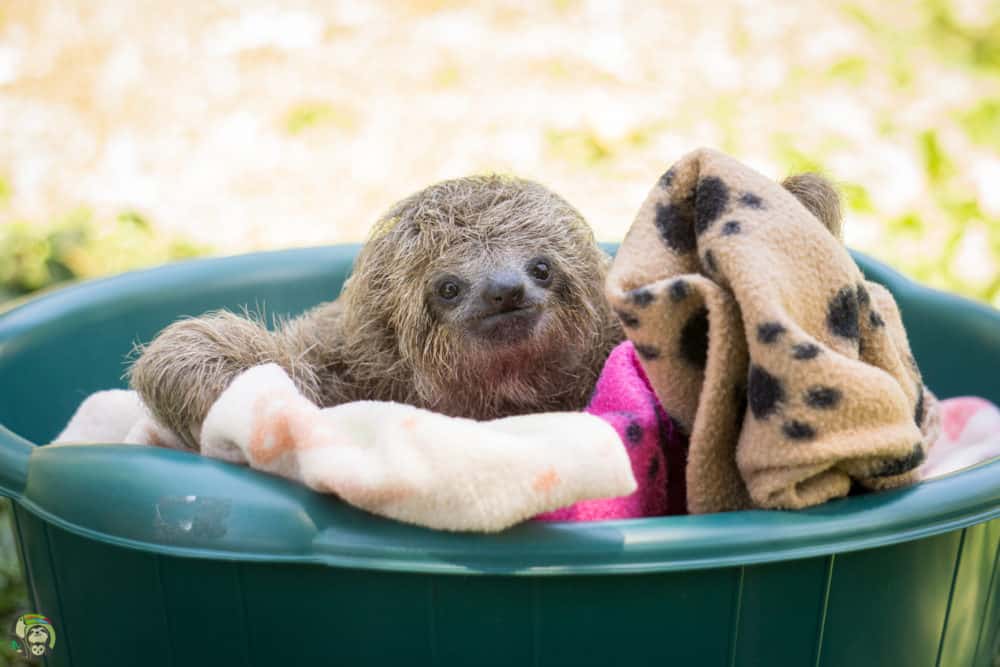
(76, 296)
(368, 559)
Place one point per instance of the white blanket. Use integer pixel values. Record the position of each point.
(391, 459)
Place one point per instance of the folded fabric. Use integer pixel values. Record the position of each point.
(396, 460)
(791, 373)
(969, 435)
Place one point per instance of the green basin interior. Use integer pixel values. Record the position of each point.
(162, 544)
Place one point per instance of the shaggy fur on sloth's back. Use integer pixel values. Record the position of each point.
(381, 341)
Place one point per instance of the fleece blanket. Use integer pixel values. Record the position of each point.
(791, 373)
(391, 459)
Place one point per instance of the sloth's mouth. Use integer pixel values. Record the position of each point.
(508, 326)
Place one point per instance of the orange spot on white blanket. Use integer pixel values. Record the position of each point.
(153, 438)
(271, 434)
(546, 481)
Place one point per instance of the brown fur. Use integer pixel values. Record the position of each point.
(380, 340)
(819, 196)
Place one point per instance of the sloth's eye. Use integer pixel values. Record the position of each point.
(540, 271)
(448, 290)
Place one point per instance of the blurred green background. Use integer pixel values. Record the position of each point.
(133, 134)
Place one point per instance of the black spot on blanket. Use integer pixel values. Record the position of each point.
(765, 392)
(694, 339)
(823, 398)
(653, 469)
(627, 318)
(803, 351)
(918, 411)
(641, 297)
(796, 430)
(769, 332)
(898, 466)
(674, 225)
(731, 227)
(751, 200)
(711, 200)
(863, 297)
(679, 289)
(842, 314)
(633, 432)
(647, 352)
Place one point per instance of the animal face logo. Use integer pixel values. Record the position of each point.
(34, 636)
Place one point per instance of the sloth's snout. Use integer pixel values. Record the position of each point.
(507, 311)
(502, 292)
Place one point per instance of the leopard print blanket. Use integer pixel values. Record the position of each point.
(790, 372)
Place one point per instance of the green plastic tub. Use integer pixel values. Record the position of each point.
(144, 556)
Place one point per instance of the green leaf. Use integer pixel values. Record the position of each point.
(937, 165)
(578, 146)
(313, 114)
(908, 224)
(853, 69)
(857, 197)
(982, 123)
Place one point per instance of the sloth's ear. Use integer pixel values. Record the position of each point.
(819, 196)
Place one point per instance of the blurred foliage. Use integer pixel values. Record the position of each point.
(931, 240)
(308, 115)
(982, 123)
(590, 148)
(36, 256)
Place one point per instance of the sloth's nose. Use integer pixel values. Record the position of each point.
(503, 291)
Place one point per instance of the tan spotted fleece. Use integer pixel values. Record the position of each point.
(790, 372)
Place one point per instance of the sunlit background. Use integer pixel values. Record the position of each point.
(135, 133)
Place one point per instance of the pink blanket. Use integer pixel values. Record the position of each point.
(656, 447)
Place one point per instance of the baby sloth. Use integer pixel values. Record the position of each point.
(477, 297)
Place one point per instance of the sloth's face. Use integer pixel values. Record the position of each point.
(37, 634)
(500, 302)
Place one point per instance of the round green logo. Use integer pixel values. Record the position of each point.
(34, 636)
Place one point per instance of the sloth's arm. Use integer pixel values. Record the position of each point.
(184, 370)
